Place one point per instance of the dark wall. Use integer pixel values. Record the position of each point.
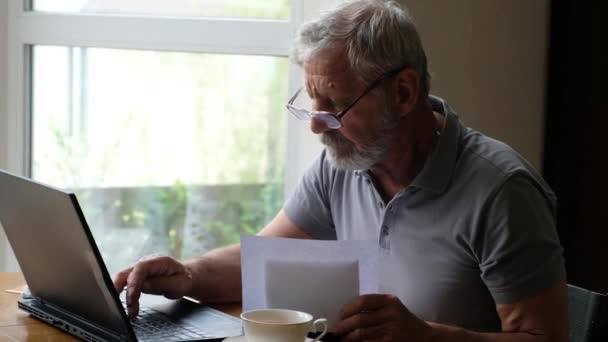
(576, 134)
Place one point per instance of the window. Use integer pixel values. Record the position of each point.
(166, 118)
(266, 9)
(168, 152)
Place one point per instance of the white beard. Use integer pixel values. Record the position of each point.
(344, 155)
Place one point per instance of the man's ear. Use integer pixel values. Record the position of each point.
(407, 90)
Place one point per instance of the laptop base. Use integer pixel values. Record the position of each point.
(72, 325)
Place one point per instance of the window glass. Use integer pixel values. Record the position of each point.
(167, 152)
(266, 9)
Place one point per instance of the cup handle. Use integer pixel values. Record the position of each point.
(322, 321)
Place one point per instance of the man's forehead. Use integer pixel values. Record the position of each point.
(330, 66)
(328, 61)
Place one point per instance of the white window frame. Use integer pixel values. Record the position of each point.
(230, 36)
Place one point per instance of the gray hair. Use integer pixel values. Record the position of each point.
(379, 36)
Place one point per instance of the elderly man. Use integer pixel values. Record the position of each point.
(465, 226)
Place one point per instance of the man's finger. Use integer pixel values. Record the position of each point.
(361, 320)
(134, 283)
(369, 302)
(375, 333)
(147, 268)
(120, 280)
(170, 287)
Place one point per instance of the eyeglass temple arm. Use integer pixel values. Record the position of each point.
(293, 98)
(368, 89)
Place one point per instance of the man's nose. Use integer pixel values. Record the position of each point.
(318, 126)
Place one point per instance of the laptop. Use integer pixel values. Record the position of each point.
(69, 285)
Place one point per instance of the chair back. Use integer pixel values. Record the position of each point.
(588, 315)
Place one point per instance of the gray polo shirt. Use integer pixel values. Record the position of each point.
(475, 228)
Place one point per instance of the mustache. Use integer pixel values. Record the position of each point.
(334, 138)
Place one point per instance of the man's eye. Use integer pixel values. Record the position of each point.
(342, 104)
(328, 106)
(324, 105)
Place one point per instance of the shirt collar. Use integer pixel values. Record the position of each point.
(439, 167)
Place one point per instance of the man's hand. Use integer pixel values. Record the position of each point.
(154, 274)
(379, 317)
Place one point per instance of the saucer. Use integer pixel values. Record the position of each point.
(242, 339)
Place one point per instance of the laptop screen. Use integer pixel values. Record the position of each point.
(57, 253)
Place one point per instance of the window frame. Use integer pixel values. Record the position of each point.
(27, 28)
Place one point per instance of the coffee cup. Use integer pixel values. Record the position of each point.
(280, 325)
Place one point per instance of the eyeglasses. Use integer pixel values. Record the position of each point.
(331, 119)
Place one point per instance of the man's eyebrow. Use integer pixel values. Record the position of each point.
(342, 98)
(338, 96)
(308, 89)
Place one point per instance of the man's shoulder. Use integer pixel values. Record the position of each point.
(490, 163)
(492, 156)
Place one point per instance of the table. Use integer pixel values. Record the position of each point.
(16, 325)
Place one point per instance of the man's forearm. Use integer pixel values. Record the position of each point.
(445, 333)
(217, 275)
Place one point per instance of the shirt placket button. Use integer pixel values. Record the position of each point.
(384, 233)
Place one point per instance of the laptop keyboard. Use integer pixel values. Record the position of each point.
(151, 325)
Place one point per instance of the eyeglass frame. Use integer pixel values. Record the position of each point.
(337, 116)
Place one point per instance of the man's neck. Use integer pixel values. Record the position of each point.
(415, 137)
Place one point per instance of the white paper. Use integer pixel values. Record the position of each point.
(313, 276)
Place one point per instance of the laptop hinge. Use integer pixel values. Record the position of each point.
(68, 322)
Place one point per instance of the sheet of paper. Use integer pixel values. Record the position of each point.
(313, 276)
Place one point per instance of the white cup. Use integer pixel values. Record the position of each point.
(279, 325)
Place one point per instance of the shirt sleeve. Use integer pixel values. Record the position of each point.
(308, 207)
(518, 248)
